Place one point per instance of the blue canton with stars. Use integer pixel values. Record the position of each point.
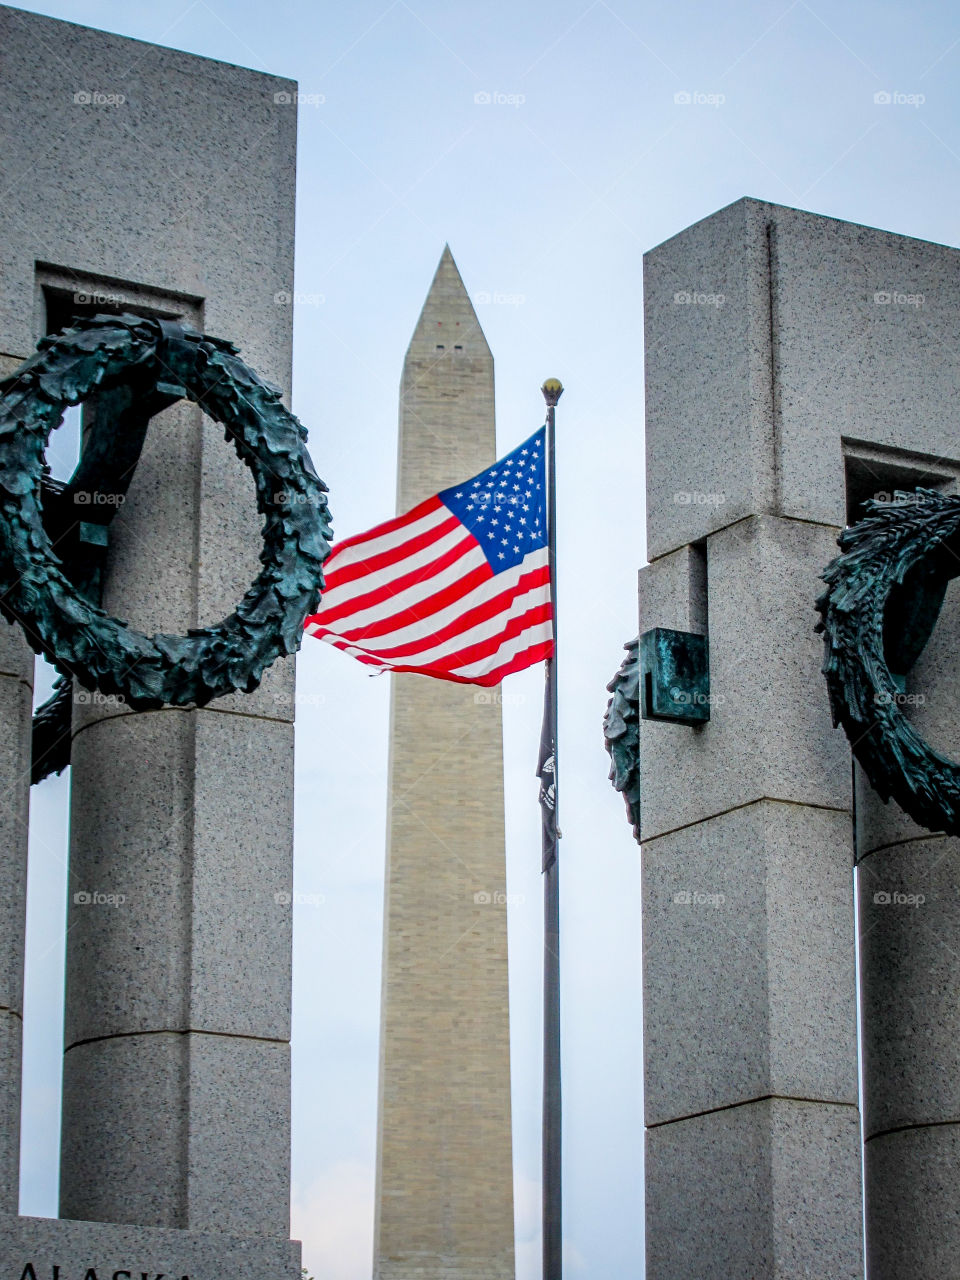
(505, 507)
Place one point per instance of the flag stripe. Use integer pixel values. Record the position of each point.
(481, 647)
(515, 644)
(406, 589)
(483, 621)
(338, 576)
(478, 616)
(384, 535)
(422, 607)
(523, 658)
(478, 584)
(420, 556)
(477, 591)
(450, 588)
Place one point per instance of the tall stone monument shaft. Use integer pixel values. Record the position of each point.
(163, 183)
(444, 1169)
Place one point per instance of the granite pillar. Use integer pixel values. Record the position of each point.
(16, 696)
(156, 181)
(752, 1140)
(795, 368)
(748, 961)
(909, 907)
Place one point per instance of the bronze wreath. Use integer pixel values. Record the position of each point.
(146, 364)
(621, 732)
(883, 596)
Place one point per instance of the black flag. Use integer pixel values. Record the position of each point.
(547, 771)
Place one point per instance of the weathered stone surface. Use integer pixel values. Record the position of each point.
(748, 963)
(188, 814)
(181, 236)
(445, 1182)
(932, 707)
(753, 1166)
(909, 913)
(709, 410)
(16, 685)
(770, 733)
(827, 331)
(673, 591)
(203, 864)
(123, 1097)
(238, 1127)
(911, 1186)
(910, 966)
(859, 318)
(16, 657)
(15, 717)
(200, 1174)
(242, 924)
(11, 1045)
(15, 720)
(764, 1189)
(110, 1248)
(909, 910)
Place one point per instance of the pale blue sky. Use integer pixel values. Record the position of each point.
(549, 194)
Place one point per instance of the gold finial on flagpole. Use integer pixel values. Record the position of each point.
(552, 391)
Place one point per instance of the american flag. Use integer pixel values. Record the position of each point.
(458, 587)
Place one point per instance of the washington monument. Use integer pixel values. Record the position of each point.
(444, 1160)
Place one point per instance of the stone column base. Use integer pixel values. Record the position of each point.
(62, 1249)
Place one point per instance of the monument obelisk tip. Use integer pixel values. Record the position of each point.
(448, 326)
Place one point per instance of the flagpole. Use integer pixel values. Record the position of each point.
(552, 1111)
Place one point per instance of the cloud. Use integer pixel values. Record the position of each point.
(526, 1194)
(333, 1217)
(526, 1199)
